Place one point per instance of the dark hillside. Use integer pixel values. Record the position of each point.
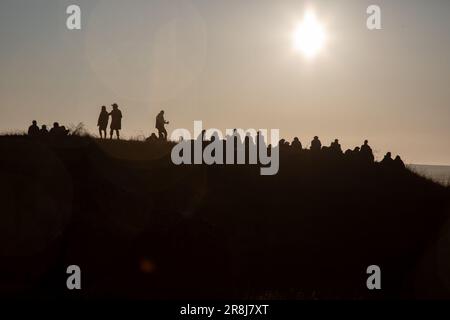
(141, 227)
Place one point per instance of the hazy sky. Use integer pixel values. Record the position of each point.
(231, 64)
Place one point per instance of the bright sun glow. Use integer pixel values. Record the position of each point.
(309, 37)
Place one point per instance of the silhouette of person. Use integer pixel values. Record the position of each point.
(152, 138)
(316, 145)
(366, 152)
(387, 160)
(336, 147)
(55, 131)
(33, 130)
(63, 131)
(43, 131)
(160, 123)
(116, 121)
(348, 153)
(102, 122)
(283, 144)
(398, 162)
(296, 144)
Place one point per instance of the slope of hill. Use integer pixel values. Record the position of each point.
(141, 227)
(439, 174)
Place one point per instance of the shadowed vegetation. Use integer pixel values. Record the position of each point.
(141, 227)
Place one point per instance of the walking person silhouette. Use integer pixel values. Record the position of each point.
(116, 121)
(160, 123)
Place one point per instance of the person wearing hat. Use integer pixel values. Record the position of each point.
(116, 121)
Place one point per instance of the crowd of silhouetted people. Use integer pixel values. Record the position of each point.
(362, 154)
(56, 131)
(116, 123)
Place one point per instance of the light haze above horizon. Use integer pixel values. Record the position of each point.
(232, 64)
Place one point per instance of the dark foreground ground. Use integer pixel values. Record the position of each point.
(140, 227)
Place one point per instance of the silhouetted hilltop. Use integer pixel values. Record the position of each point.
(141, 227)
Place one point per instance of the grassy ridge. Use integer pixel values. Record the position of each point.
(140, 227)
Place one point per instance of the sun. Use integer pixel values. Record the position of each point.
(309, 36)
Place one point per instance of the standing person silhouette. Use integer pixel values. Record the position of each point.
(116, 121)
(33, 130)
(102, 123)
(160, 123)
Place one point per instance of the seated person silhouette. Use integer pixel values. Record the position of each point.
(296, 144)
(348, 153)
(102, 122)
(160, 123)
(336, 147)
(316, 145)
(116, 121)
(55, 131)
(33, 130)
(387, 160)
(398, 162)
(366, 152)
(58, 131)
(152, 138)
(43, 131)
(63, 131)
(356, 154)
